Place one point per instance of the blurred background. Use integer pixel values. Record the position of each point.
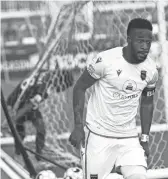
(24, 23)
(78, 30)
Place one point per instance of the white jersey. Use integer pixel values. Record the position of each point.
(114, 100)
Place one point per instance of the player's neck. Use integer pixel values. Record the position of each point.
(127, 55)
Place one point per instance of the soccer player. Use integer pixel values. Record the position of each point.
(122, 78)
(28, 109)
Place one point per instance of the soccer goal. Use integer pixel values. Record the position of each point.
(82, 30)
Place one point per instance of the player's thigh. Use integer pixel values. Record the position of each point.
(132, 160)
(134, 172)
(131, 153)
(99, 157)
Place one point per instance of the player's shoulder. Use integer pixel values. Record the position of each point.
(151, 67)
(150, 64)
(112, 53)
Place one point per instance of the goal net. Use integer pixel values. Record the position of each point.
(83, 29)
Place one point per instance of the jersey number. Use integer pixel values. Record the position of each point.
(150, 93)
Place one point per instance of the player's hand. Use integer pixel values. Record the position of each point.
(36, 101)
(145, 146)
(77, 136)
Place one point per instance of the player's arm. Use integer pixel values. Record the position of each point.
(40, 90)
(42, 85)
(22, 111)
(13, 96)
(94, 71)
(31, 104)
(146, 109)
(33, 97)
(83, 83)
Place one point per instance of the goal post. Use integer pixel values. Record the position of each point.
(98, 26)
(164, 46)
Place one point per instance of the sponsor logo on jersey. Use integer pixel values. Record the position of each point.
(119, 72)
(117, 95)
(93, 176)
(143, 74)
(129, 86)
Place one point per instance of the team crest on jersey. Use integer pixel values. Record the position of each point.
(93, 176)
(129, 86)
(143, 74)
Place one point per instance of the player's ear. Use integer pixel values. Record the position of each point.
(128, 39)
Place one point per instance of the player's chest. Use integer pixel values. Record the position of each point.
(127, 78)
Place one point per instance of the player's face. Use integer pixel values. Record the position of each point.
(140, 42)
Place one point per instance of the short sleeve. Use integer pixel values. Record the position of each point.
(96, 67)
(153, 80)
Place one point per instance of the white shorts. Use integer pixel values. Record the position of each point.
(102, 154)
